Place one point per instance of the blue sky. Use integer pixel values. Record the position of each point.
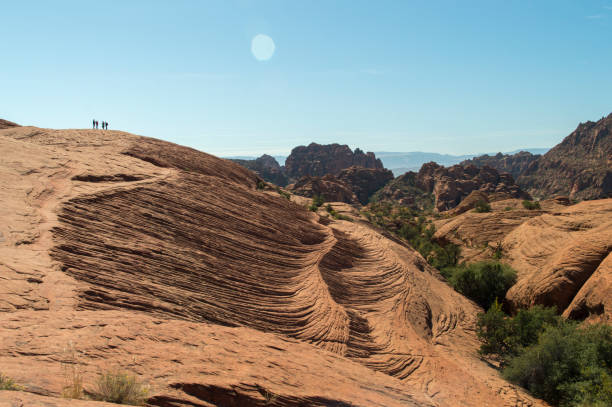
(443, 76)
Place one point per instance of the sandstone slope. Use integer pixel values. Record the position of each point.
(561, 252)
(168, 262)
(557, 253)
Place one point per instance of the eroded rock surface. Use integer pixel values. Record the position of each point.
(513, 164)
(557, 253)
(319, 160)
(580, 166)
(168, 262)
(267, 168)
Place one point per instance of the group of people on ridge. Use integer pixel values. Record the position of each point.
(104, 125)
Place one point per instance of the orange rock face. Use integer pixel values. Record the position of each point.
(561, 253)
(169, 263)
(556, 255)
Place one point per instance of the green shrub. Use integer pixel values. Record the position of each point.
(508, 208)
(337, 215)
(6, 383)
(261, 185)
(482, 206)
(498, 251)
(284, 194)
(317, 201)
(568, 366)
(531, 205)
(503, 337)
(121, 388)
(483, 282)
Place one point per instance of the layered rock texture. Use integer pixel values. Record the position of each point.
(447, 187)
(319, 160)
(579, 167)
(514, 164)
(556, 255)
(365, 181)
(267, 168)
(5, 124)
(561, 252)
(120, 251)
(328, 187)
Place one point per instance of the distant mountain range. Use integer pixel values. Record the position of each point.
(401, 162)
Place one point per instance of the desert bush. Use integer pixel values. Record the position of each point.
(73, 378)
(569, 365)
(6, 383)
(498, 251)
(503, 337)
(482, 206)
(483, 282)
(531, 205)
(261, 185)
(317, 201)
(337, 215)
(284, 194)
(121, 388)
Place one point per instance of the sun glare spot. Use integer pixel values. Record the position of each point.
(262, 47)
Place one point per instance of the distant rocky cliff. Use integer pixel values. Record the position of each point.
(514, 164)
(5, 124)
(448, 186)
(580, 166)
(267, 168)
(318, 160)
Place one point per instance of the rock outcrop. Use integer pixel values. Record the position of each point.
(267, 168)
(158, 259)
(451, 185)
(319, 160)
(328, 187)
(364, 182)
(514, 164)
(560, 252)
(556, 254)
(5, 124)
(579, 167)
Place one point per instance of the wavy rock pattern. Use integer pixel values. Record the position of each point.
(555, 254)
(130, 247)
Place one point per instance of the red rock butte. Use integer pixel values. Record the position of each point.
(133, 253)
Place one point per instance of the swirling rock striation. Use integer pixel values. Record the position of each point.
(169, 262)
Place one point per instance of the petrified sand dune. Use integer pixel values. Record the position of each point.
(556, 253)
(169, 262)
(561, 253)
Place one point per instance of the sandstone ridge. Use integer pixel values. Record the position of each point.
(168, 262)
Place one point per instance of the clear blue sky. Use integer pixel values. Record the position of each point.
(443, 76)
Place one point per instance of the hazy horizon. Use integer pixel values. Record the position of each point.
(246, 78)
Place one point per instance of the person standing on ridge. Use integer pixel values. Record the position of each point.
(93, 124)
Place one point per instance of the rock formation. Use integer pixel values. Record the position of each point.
(365, 181)
(556, 255)
(142, 255)
(579, 167)
(514, 164)
(319, 160)
(329, 187)
(478, 234)
(5, 124)
(449, 186)
(267, 168)
(561, 253)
